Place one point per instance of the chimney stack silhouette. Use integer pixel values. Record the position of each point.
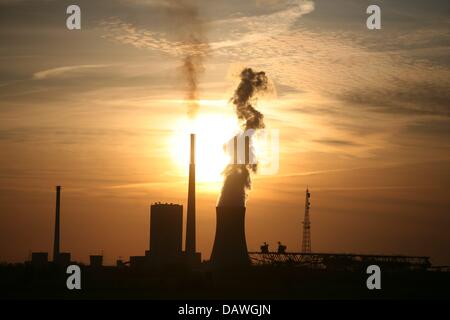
(190, 219)
(57, 237)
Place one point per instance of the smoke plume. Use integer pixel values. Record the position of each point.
(251, 83)
(238, 176)
(194, 47)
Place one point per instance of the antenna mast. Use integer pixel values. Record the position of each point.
(306, 244)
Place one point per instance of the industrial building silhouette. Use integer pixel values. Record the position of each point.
(231, 272)
(229, 248)
(166, 230)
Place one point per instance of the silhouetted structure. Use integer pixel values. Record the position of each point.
(265, 248)
(193, 258)
(96, 261)
(39, 259)
(254, 275)
(190, 216)
(281, 248)
(56, 241)
(339, 261)
(166, 229)
(306, 243)
(64, 259)
(230, 247)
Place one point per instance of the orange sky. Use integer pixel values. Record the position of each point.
(363, 119)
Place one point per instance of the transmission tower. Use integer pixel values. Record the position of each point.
(306, 244)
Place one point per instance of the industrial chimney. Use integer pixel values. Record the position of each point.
(56, 239)
(190, 219)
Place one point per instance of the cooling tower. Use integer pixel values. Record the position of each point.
(230, 247)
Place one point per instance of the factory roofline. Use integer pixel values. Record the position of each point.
(166, 204)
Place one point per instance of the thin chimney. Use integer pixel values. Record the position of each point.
(56, 239)
(190, 219)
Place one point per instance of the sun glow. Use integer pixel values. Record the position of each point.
(212, 131)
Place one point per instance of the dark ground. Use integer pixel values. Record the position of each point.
(26, 282)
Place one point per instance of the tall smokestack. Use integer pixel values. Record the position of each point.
(56, 239)
(190, 220)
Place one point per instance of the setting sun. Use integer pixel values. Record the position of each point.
(212, 132)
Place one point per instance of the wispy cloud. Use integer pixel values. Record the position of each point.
(229, 33)
(66, 71)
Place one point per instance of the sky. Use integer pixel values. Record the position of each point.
(363, 117)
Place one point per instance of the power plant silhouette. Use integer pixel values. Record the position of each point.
(166, 229)
(168, 271)
(230, 246)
